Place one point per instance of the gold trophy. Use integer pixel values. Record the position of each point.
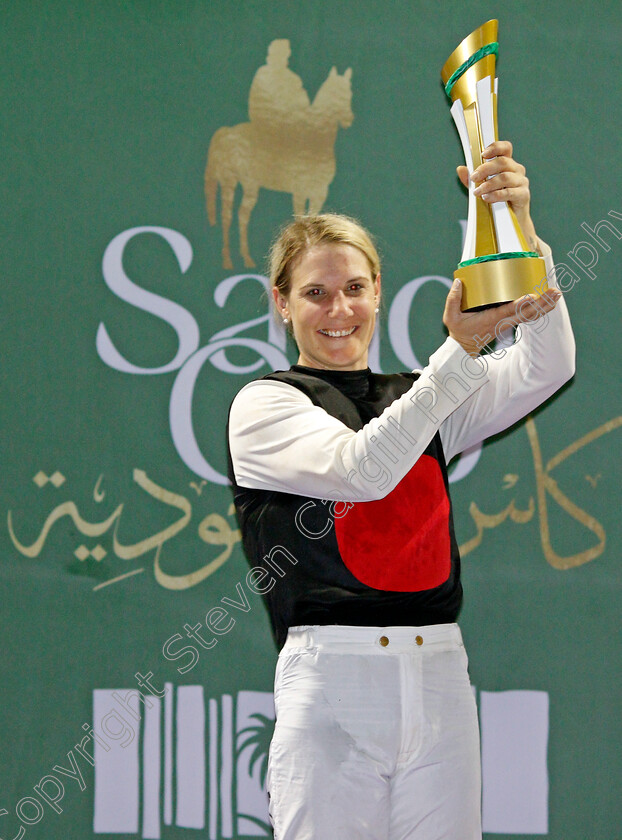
(497, 265)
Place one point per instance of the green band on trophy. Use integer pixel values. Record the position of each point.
(492, 48)
(508, 255)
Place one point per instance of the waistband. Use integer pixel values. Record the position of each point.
(374, 639)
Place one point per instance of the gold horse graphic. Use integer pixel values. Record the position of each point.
(299, 160)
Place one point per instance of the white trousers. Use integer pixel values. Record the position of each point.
(376, 736)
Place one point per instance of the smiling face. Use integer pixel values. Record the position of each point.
(331, 304)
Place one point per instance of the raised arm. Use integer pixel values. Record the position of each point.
(543, 356)
(520, 377)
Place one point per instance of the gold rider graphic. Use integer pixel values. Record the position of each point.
(278, 104)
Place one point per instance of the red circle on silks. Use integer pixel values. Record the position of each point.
(400, 543)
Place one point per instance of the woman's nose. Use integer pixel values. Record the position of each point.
(339, 305)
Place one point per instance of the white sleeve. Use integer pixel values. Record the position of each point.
(279, 440)
(529, 372)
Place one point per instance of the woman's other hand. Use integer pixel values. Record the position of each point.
(475, 330)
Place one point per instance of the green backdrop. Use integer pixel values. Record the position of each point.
(115, 537)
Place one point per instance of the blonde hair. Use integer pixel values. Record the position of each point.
(323, 229)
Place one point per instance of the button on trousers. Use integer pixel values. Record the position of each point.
(376, 736)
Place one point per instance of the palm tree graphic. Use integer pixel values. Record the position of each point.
(257, 737)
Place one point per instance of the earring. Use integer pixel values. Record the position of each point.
(285, 321)
(377, 310)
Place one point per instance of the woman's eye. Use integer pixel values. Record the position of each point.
(314, 292)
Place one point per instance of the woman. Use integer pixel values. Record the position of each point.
(340, 485)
